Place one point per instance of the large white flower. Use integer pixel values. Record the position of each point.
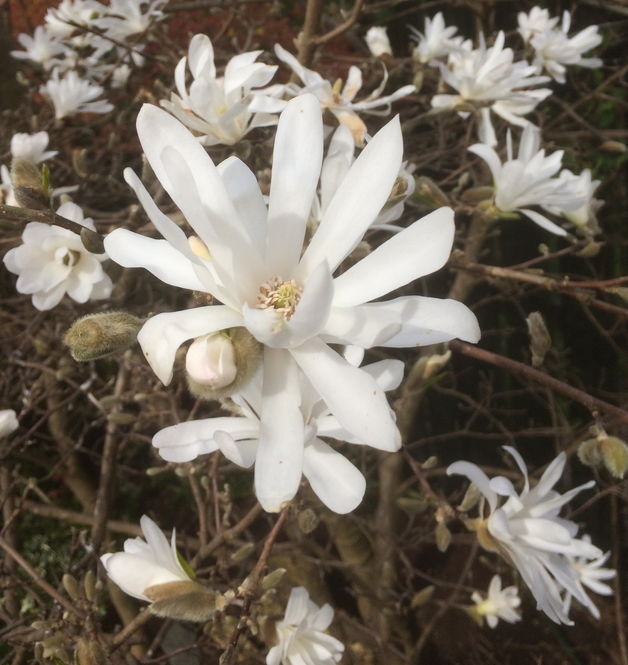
(145, 564)
(285, 294)
(300, 634)
(489, 79)
(72, 94)
(52, 261)
(339, 99)
(334, 479)
(498, 604)
(533, 179)
(553, 48)
(526, 530)
(435, 41)
(222, 110)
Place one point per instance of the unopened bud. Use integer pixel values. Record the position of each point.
(422, 597)
(97, 335)
(613, 146)
(540, 340)
(605, 451)
(271, 580)
(28, 187)
(428, 192)
(589, 250)
(220, 363)
(79, 163)
(435, 362)
(243, 552)
(429, 463)
(478, 194)
(378, 42)
(307, 520)
(89, 585)
(71, 586)
(443, 537)
(470, 498)
(89, 652)
(186, 601)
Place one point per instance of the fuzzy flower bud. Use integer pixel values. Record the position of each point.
(97, 335)
(605, 451)
(378, 42)
(28, 185)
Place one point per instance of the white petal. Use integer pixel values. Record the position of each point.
(351, 395)
(358, 199)
(388, 373)
(134, 574)
(477, 477)
(336, 482)
(416, 251)
(159, 257)
(543, 222)
(241, 453)
(163, 334)
(297, 158)
(279, 460)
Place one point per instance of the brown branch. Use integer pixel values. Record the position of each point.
(305, 40)
(42, 584)
(592, 403)
(343, 27)
(92, 241)
(249, 588)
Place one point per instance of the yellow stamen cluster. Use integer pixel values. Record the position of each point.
(280, 296)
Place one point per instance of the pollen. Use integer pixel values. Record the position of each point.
(281, 296)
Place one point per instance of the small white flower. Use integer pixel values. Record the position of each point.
(120, 76)
(333, 478)
(125, 18)
(31, 147)
(534, 23)
(8, 422)
(554, 49)
(52, 261)
(222, 110)
(59, 19)
(527, 531)
(583, 188)
(435, 41)
(72, 94)
(489, 79)
(145, 564)
(41, 48)
(339, 99)
(498, 604)
(533, 179)
(591, 574)
(301, 637)
(210, 361)
(378, 42)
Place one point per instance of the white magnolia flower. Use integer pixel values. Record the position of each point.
(527, 531)
(8, 422)
(72, 94)
(300, 634)
(125, 18)
(535, 22)
(435, 41)
(591, 574)
(339, 99)
(52, 261)
(120, 76)
(42, 48)
(377, 40)
(285, 295)
(333, 478)
(583, 188)
(31, 147)
(60, 20)
(338, 161)
(498, 604)
(489, 79)
(223, 109)
(145, 564)
(532, 179)
(554, 49)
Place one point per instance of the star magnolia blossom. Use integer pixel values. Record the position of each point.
(339, 99)
(489, 78)
(223, 109)
(498, 604)
(125, 18)
(553, 48)
(52, 261)
(31, 147)
(530, 180)
(42, 48)
(584, 188)
(285, 294)
(8, 422)
(591, 574)
(435, 41)
(72, 94)
(377, 40)
(300, 634)
(59, 19)
(145, 564)
(527, 531)
(334, 479)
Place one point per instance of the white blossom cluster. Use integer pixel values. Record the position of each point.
(84, 44)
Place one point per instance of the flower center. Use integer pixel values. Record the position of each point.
(67, 257)
(280, 296)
